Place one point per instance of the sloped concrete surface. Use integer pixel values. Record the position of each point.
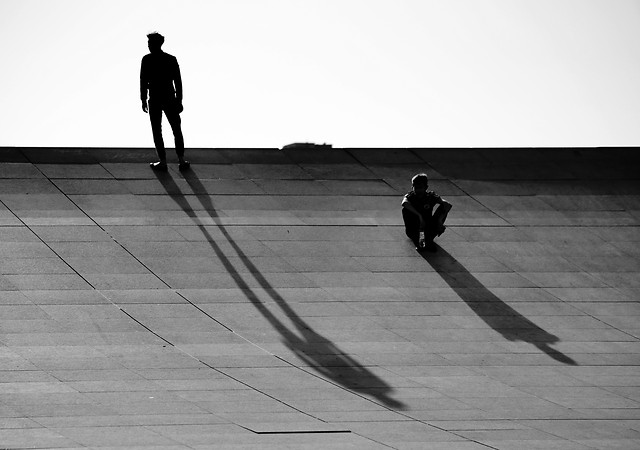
(270, 299)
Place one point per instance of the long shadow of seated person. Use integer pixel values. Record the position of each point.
(313, 349)
(494, 312)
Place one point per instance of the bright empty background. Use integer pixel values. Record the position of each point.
(353, 73)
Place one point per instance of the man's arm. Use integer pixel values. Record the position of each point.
(445, 205)
(406, 204)
(144, 86)
(177, 81)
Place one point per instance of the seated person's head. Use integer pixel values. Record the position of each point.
(420, 183)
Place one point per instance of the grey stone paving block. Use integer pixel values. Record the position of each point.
(106, 265)
(19, 170)
(123, 170)
(62, 297)
(88, 202)
(403, 172)
(325, 264)
(27, 186)
(90, 186)
(348, 171)
(34, 437)
(125, 281)
(368, 156)
(337, 203)
(12, 266)
(144, 296)
(69, 171)
(37, 202)
(292, 187)
(18, 235)
(273, 171)
(71, 233)
(358, 187)
(180, 187)
(114, 436)
(47, 281)
(70, 249)
(7, 218)
(52, 218)
(230, 202)
(143, 234)
(216, 171)
(13, 298)
(504, 203)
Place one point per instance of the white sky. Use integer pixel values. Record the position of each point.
(352, 73)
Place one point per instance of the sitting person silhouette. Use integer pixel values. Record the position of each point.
(421, 224)
(160, 78)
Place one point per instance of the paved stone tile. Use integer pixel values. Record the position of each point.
(46, 281)
(89, 186)
(19, 170)
(358, 187)
(71, 233)
(27, 186)
(70, 171)
(34, 437)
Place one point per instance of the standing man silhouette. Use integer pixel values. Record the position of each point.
(160, 77)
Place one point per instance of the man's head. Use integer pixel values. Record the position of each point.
(420, 183)
(155, 41)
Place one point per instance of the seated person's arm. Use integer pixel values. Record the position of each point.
(409, 207)
(445, 204)
(406, 204)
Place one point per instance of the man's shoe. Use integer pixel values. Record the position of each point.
(159, 166)
(184, 166)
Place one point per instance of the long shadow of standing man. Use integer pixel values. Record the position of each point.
(311, 347)
(160, 79)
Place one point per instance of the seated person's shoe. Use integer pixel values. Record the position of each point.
(184, 166)
(160, 166)
(441, 230)
(428, 247)
(431, 247)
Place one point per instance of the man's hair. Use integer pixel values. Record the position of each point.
(155, 38)
(420, 179)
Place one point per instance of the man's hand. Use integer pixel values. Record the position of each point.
(145, 108)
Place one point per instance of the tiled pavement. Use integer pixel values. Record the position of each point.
(269, 299)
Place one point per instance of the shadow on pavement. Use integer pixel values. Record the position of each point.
(495, 313)
(314, 349)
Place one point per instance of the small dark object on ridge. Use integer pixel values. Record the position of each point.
(305, 146)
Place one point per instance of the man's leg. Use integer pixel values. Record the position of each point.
(411, 225)
(439, 218)
(174, 120)
(155, 115)
(435, 227)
